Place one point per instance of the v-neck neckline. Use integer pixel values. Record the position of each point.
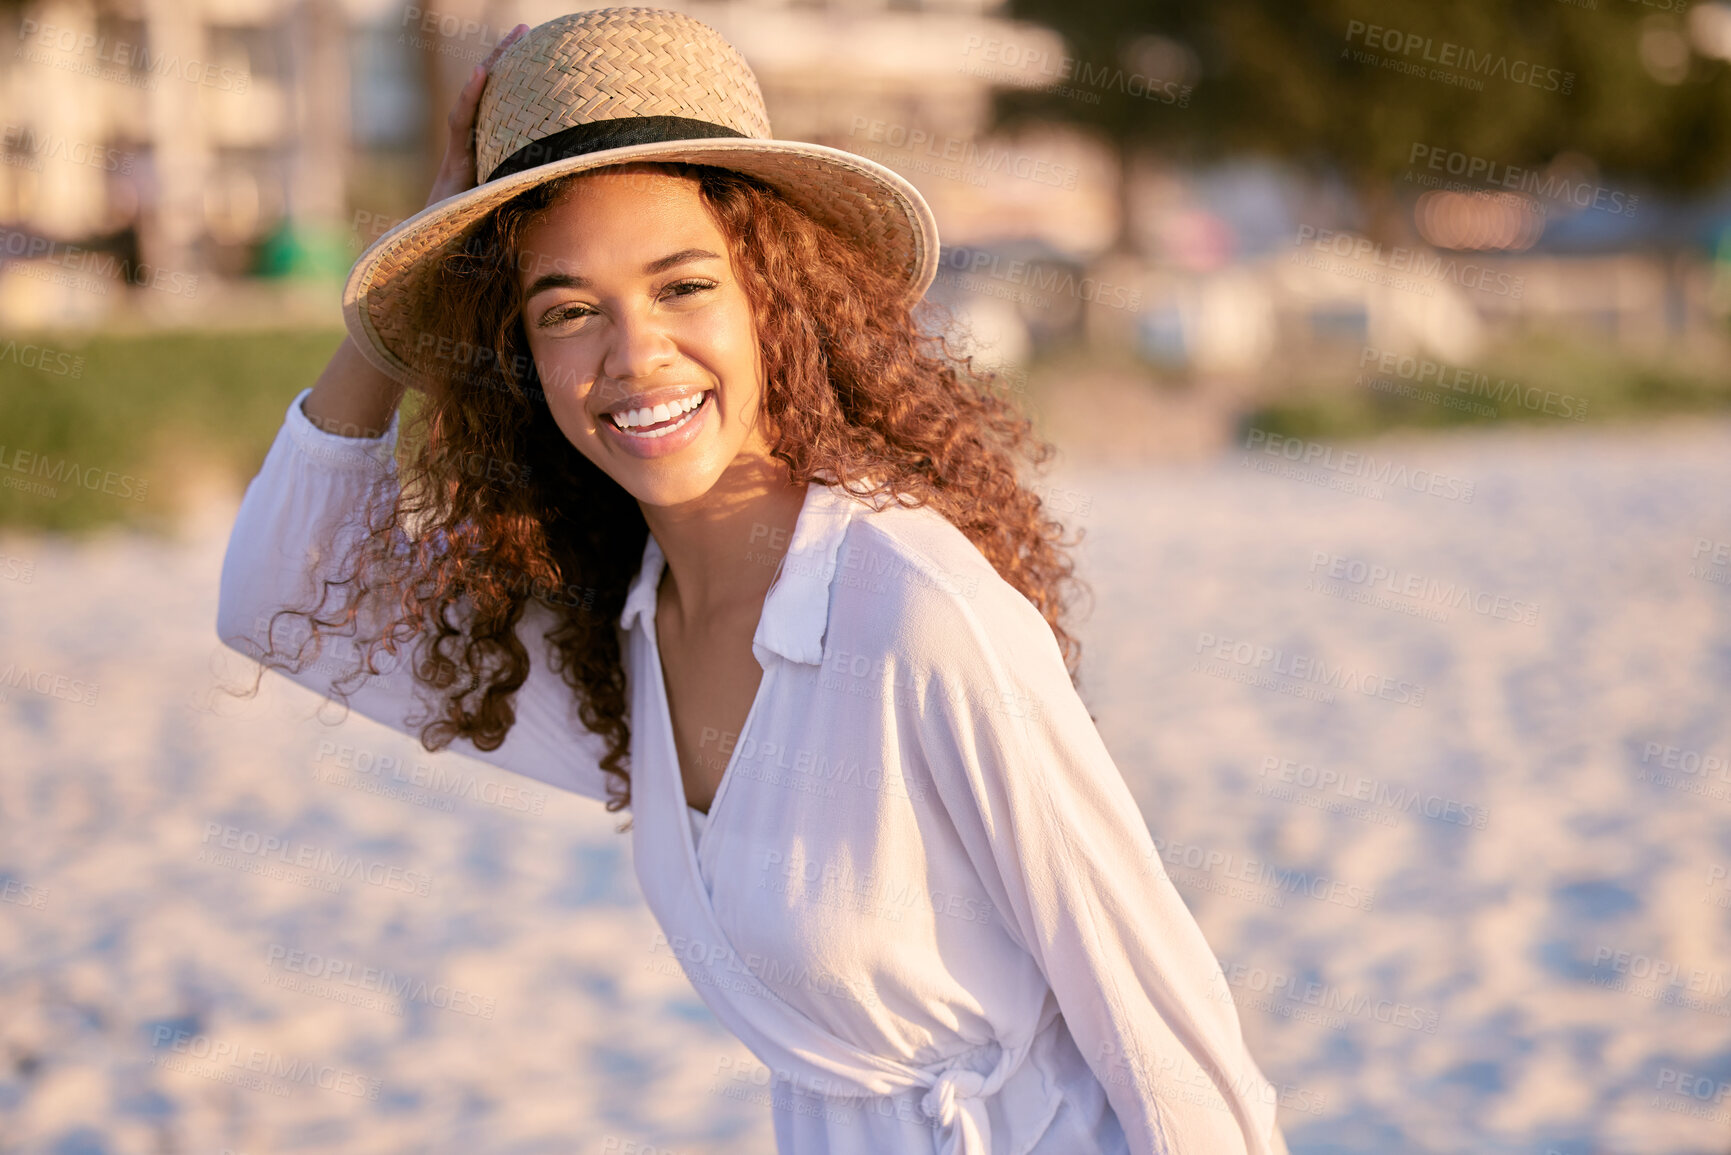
(769, 637)
(694, 841)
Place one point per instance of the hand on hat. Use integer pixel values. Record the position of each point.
(457, 170)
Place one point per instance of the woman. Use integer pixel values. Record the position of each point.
(697, 523)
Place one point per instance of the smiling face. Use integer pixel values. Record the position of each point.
(635, 317)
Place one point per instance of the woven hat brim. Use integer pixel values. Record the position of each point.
(386, 294)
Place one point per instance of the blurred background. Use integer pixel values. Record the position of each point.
(1394, 336)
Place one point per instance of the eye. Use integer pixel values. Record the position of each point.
(568, 312)
(688, 287)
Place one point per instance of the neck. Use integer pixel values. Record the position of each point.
(722, 548)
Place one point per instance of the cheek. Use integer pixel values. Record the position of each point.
(730, 341)
(567, 414)
(564, 381)
(566, 400)
(743, 335)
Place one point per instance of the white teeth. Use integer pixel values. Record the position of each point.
(634, 417)
(660, 413)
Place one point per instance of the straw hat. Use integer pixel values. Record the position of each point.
(609, 86)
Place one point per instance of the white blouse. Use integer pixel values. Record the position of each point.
(923, 895)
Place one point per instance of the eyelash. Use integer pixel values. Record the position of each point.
(562, 314)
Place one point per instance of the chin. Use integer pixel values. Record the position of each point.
(668, 484)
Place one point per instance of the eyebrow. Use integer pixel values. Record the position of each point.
(659, 265)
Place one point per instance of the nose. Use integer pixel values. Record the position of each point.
(638, 346)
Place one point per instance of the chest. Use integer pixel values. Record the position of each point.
(712, 678)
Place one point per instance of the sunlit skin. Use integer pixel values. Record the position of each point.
(630, 292)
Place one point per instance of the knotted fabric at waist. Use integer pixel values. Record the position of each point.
(781, 1036)
(956, 1096)
(956, 1105)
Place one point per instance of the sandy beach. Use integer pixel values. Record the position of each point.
(1438, 749)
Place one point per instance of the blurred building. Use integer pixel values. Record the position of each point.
(1254, 281)
(158, 156)
(171, 160)
(152, 145)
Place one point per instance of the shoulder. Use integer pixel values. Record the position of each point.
(923, 594)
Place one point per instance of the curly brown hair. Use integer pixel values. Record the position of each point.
(495, 507)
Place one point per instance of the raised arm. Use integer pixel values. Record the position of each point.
(309, 495)
(333, 454)
(352, 398)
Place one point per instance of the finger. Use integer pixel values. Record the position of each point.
(462, 118)
(468, 100)
(470, 93)
(505, 42)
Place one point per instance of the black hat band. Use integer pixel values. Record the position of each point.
(605, 134)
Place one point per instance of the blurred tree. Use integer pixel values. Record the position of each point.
(1309, 82)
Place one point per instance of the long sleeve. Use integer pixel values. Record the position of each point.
(1062, 850)
(309, 495)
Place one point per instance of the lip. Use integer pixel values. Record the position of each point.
(667, 443)
(652, 398)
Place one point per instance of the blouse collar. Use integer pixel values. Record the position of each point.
(796, 610)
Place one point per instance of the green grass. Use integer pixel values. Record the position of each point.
(1613, 388)
(169, 410)
(178, 410)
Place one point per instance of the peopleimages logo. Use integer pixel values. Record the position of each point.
(1181, 1078)
(94, 477)
(1718, 878)
(1431, 266)
(1016, 58)
(965, 151)
(1371, 576)
(22, 893)
(315, 858)
(1330, 1000)
(48, 684)
(43, 359)
(101, 268)
(1260, 872)
(718, 964)
(25, 141)
(1449, 55)
(131, 56)
(1357, 465)
(1543, 184)
(1690, 1094)
(1306, 668)
(1718, 555)
(270, 1066)
(1459, 379)
(441, 782)
(1036, 275)
(1665, 976)
(337, 973)
(448, 25)
(1358, 788)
